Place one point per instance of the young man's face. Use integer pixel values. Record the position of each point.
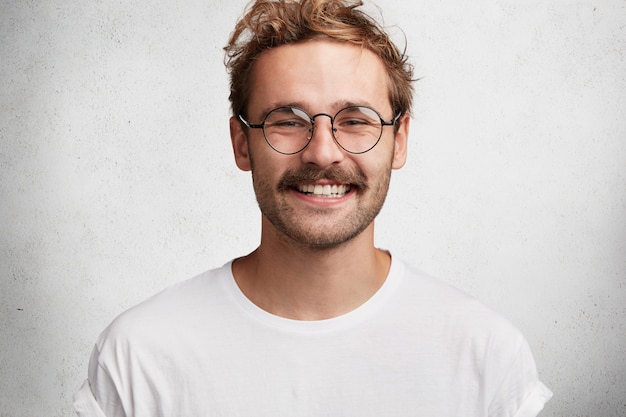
(319, 76)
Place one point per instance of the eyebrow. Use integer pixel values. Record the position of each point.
(333, 108)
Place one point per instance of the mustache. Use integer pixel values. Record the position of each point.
(308, 174)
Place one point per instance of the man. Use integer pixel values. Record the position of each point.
(316, 321)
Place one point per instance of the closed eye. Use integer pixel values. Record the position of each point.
(355, 122)
(288, 123)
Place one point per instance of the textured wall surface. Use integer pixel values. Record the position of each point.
(116, 176)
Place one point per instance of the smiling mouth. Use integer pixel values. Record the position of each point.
(324, 191)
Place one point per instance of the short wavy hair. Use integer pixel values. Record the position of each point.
(270, 23)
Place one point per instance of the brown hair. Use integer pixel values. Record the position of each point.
(270, 23)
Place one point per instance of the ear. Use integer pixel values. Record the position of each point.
(401, 142)
(240, 145)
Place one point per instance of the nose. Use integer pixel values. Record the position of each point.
(322, 149)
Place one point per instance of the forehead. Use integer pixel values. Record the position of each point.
(318, 75)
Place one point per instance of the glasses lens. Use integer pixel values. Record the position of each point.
(287, 129)
(357, 129)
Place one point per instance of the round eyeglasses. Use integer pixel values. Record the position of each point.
(288, 130)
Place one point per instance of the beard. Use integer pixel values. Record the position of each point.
(319, 228)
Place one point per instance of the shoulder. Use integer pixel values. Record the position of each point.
(437, 305)
(439, 295)
(482, 342)
(168, 311)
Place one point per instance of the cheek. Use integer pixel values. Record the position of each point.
(376, 163)
(267, 167)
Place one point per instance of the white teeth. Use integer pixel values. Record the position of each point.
(327, 191)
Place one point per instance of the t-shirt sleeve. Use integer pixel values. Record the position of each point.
(98, 396)
(520, 393)
(533, 404)
(85, 403)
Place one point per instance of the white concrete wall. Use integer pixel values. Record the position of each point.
(116, 177)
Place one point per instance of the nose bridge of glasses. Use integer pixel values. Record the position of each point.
(332, 121)
(322, 114)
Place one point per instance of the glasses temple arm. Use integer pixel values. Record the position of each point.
(251, 125)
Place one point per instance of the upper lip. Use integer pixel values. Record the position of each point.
(335, 176)
(324, 181)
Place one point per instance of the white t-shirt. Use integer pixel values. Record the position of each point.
(418, 347)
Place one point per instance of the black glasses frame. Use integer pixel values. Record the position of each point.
(383, 123)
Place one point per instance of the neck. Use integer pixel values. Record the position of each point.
(311, 284)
